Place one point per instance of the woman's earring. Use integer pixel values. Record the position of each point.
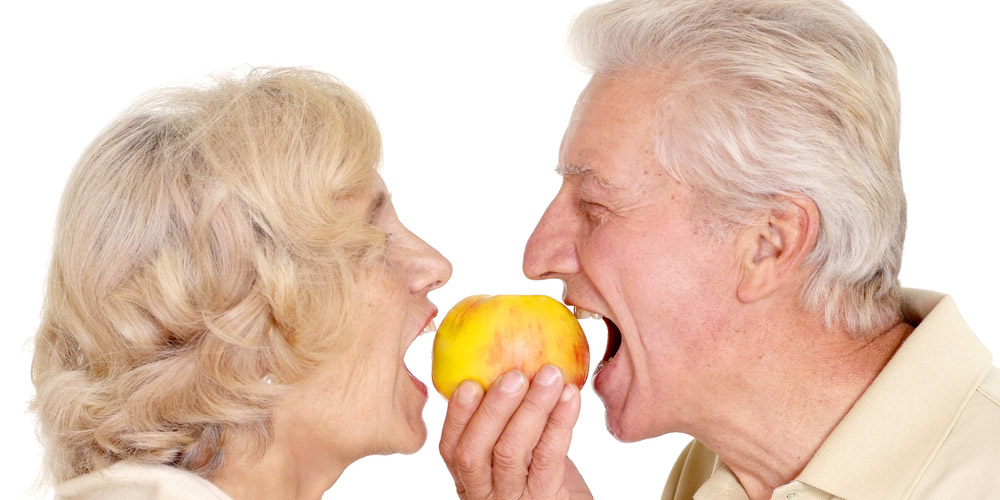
(269, 379)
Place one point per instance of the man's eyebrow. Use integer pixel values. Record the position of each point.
(568, 170)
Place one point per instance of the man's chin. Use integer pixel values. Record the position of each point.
(622, 428)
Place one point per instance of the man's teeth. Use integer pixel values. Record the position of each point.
(584, 314)
(430, 328)
(601, 365)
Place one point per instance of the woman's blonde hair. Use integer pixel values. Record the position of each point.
(764, 98)
(205, 238)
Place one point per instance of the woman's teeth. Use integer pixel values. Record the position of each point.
(585, 314)
(430, 328)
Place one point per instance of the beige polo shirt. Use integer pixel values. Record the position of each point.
(927, 428)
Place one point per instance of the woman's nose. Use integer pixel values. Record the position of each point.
(430, 269)
(551, 249)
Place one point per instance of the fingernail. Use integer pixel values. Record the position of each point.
(466, 392)
(548, 375)
(512, 381)
(567, 393)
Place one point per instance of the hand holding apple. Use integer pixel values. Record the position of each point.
(484, 336)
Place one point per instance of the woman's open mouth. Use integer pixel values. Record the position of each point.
(422, 387)
(430, 327)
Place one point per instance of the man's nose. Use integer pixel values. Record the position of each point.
(551, 249)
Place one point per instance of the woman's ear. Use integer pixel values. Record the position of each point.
(772, 250)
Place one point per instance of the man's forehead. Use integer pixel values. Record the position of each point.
(625, 88)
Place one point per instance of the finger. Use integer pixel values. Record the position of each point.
(547, 472)
(513, 451)
(461, 406)
(474, 451)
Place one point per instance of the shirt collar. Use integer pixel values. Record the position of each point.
(884, 443)
(723, 483)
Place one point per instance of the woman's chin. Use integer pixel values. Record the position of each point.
(411, 432)
(415, 447)
(411, 440)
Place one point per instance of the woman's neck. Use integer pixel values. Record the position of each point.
(282, 471)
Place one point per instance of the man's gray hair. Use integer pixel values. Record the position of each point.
(765, 98)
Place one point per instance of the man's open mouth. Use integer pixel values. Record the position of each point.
(614, 336)
(614, 343)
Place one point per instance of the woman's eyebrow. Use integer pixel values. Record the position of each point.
(377, 204)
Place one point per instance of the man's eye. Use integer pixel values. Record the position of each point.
(594, 211)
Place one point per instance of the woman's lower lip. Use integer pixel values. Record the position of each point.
(420, 385)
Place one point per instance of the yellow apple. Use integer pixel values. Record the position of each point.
(485, 336)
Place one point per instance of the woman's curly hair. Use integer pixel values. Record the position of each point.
(204, 239)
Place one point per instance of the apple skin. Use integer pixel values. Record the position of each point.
(485, 336)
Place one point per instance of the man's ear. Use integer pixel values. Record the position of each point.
(772, 250)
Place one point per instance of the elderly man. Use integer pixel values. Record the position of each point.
(732, 206)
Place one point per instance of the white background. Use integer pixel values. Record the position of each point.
(472, 99)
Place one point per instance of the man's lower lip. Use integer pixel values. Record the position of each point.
(605, 364)
(600, 367)
(599, 374)
(602, 373)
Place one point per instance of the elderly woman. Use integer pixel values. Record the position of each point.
(230, 299)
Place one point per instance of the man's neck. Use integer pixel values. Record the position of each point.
(784, 405)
